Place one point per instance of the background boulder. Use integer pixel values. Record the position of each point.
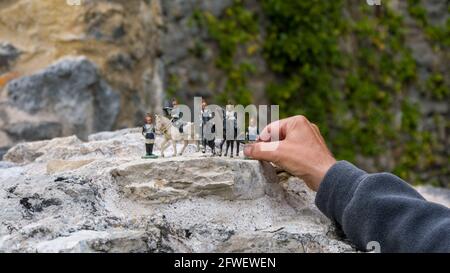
(8, 54)
(72, 90)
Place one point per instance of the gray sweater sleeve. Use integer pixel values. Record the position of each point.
(382, 207)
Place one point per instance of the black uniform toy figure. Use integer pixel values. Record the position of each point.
(148, 131)
(230, 123)
(206, 116)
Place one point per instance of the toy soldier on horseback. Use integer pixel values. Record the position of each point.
(176, 115)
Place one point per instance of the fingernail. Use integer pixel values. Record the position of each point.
(248, 149)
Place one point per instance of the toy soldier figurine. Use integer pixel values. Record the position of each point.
(252, 133)
(148, 131)
(175, 115)
(231, 124)
(206, 117)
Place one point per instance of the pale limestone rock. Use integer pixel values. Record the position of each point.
(167, 180)
(121, 203)
(284, 239)
(436, 195)
(30, 151)
(122, 241)
(120, 144)
(56, 166)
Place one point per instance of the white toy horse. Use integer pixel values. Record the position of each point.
(171, 133)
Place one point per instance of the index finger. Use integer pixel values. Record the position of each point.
(277, 130)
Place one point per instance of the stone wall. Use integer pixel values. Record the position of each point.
(119, 42)
(189, 54)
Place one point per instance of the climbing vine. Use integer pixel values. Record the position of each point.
(237, 30)
(350, 74)
(440, 35)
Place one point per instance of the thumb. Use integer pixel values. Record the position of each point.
(267, 151)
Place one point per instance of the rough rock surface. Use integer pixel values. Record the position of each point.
(72, 90)
(66, 195)
(8, 54)
(436, 195)
(31, 131)
(120, 37)
(66, 98)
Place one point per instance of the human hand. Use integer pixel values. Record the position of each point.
(296, 145)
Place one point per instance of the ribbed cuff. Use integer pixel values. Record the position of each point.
(337, 188)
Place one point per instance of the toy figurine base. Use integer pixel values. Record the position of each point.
(149, 157)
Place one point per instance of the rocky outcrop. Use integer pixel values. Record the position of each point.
(66, 195)
(56, 166)
(168, 180)
(69, 97)
(120, 37)
(8, 54)
(71, 90)
(31, 131)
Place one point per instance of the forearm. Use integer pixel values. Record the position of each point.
(383, 208)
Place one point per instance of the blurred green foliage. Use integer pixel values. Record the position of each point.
(353, 94)
(239, 27)
(439, 34)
